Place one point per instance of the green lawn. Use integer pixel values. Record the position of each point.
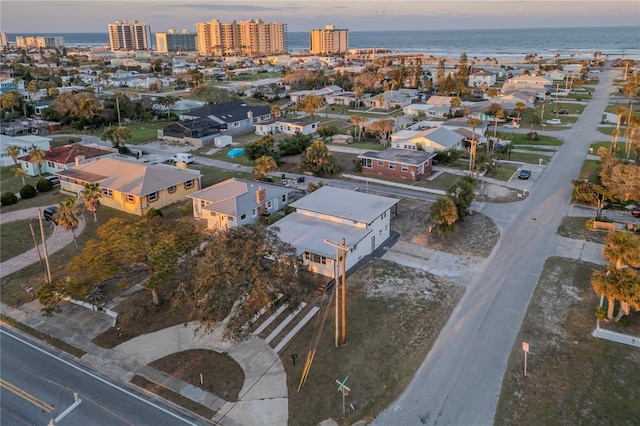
(443, 181)
(19, 234)
(619, 149)
(590, 170)
(141, 132)
(521, 139)
(606, 130)
(504, 172)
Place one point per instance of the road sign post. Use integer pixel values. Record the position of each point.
(525, 349)
(342, 387)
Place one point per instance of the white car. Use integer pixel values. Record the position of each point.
(554, 122)
(511, 126)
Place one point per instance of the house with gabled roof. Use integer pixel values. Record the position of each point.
(235, 118)
(65, 156)
(237, 202)
(287, 126)
(333, 214)
(130, 186)
(198, 132)
(430, 140)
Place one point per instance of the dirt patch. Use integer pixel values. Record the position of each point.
(572, 377)
(221, 375)
(394, 315)
(492, 193)
(476, 235)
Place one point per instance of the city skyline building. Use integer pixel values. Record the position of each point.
(129, 35)
(171, 41)
(29, 42)
(328, 41)
(247, 38)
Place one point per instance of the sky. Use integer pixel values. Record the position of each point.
(55, 16)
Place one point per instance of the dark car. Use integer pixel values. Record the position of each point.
(55, 180)
(524, 174)
(49, 212)
(561, 111)
(635, 212)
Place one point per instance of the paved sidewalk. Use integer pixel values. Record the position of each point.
(57, 241)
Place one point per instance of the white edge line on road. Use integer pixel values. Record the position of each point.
(90, 374)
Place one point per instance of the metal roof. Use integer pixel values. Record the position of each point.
(400, 156)
(345, 204)
(307, 233)
(235, 197)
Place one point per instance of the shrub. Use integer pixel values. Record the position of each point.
(28, 191)
(154, 213)
(44, 185)
(601, 312)
(8, 198)
(532, 136)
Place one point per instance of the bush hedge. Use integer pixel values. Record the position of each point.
(8, 198)
(28, 191)
(44, 185)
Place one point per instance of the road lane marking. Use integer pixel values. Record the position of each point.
(97, 377)
(26, 396)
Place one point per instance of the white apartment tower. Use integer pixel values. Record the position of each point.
(328, 41)
(129, 35)
(247, 38)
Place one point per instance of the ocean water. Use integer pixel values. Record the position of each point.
(500, 43)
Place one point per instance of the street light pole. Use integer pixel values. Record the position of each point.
(340, 248)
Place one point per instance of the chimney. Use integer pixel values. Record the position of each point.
(79, 159)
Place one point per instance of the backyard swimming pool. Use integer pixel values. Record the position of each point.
(235, 152)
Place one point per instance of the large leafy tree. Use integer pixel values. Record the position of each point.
(92, 193)
(383, 128)
(260, 148)
(117, 135)
(242, 271)
(310, 104)
(212, 95)
(623, 182)
(462, 195)
(67, 216)
(318, 160)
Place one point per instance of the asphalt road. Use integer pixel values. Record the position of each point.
(460, 380)
(38, 385)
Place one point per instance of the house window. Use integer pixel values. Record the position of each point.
(255, 212)
(131, 198)
(171, 189)
(315, 258)
(380, 163)
(366, 163)
(188, 184)
(50, 165)
(268, 204)
(204, 203)
(421, 169)
(243, 217)
(284, 198)
(107, 192)
(392, 166)
(404, 168)
(230, 218)
(152, 197)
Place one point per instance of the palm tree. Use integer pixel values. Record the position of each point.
(454, 104)
(359, 92)
(444, 214)
(275, 111)
(473, 122)
(21, 173)
(67, 216)
(620, 112)
(622, 249)
(96, 294)
(37, 156)
(13, 151)
(92, 193)
(356, 120)
(263, 166)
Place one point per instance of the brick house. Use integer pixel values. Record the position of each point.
(398, 163)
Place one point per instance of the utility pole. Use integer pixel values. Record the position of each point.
(340, 249)
(44, 248)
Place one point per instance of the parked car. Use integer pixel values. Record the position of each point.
(55, 180)
(524, 174)
(182, 157)
(554, 122)
(48, 214)
(511, 126)
(562, 111)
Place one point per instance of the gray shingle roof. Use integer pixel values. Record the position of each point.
(400, 156)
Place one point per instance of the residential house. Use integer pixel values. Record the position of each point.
(130, 186)
(63, 157)
(482, 78)
(287, 126)
(330, 215)
(324, 93)
(430, 140)
(398, 163)
(235, 118)
(237, 202)
(344, 98)
(24, 143)
(198, 132)
(387, 100)
(418, 109)
(536, 83)
(461, 126)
